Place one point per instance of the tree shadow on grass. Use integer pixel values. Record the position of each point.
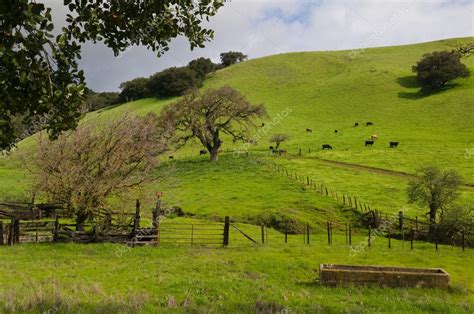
(410, 82)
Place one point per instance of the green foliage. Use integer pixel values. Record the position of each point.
(39, 72)
(202, 66)
(456, 222)
(134, 89)
(232, 57)
(95, 101)
(434, 189)
(436, 69)
(173, 82)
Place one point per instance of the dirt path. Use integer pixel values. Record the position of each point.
(386, 172)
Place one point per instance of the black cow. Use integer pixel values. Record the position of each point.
(327, 146)
(263, 124)
(369, 124)
(335, 131)
(170, 157)
(202, 152)
(369, 143)
(393, 144)
(356, 124)
(271, 148)
(309, 130)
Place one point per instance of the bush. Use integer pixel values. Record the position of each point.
(202, 66)
(173, 82)
(134, 89)
(95, 101)
(436, 69)
(232, 57)
(458, 218)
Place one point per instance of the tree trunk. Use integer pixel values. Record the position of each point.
(213, 154)
(432, 222)
(277, 145)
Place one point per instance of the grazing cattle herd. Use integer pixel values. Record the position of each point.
(368, 143)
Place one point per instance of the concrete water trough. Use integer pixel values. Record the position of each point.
(336, 275)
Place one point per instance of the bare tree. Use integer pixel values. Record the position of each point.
(84, 167)
(436, 189)
(223, 110)
(465, 49)
(278, 139)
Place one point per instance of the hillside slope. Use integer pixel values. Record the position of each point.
(325, 91)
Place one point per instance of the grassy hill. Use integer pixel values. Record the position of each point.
(325, 91)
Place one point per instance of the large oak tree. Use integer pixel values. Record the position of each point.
(206, 118)
(39, 71)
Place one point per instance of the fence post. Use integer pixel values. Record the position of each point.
(307, 180)
(1, 233)
(412, 235)
(327, 192)
(226, 230)
(158, 235)
(369, 238)
(307, 233)
(286, 232)
(136, 223)
(400, 220)
(389, 241)
(263, 233)
(10, 232)
(355, 201)
(344, 199)
(192, 234)
(300, 152)
(16, 231)
(350, 234)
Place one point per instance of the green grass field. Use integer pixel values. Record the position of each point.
(325, 91)
(244, 278)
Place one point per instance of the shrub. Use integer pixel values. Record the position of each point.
(456, 220)
(173, 82)
(134, 89)
(202, 66)
(232, 57)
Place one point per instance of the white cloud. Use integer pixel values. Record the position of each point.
(260, 28)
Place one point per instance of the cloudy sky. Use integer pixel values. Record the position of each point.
(265, 27)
